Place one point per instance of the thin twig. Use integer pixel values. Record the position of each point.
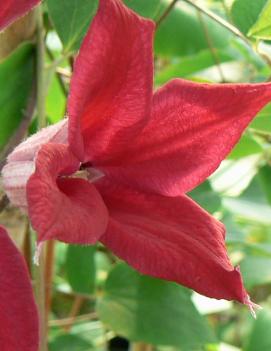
(165, 13)
(21, 131)
(76, 306)
(58, 75)
(210, 46)
(219, 20)
(49, 272)
(65, 322)
(4, 201)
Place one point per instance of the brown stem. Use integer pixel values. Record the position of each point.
(77, 304)
(27, 251)
(67, 322)
(58, 75)
(165, 13)
(4, 201)
(210, 46)
(49, 272)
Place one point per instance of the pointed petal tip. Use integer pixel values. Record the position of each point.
(253, 307)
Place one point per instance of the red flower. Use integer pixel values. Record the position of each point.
(140, 153)
(10, 10)
(18, 312)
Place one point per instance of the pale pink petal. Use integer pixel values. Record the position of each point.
(10, 10)
(68, 209)
(19, 324)
(111, 87)
(21, 162)
(172, 239)
(192, 129)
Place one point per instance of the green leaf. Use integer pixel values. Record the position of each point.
(245, 13)
(182, 34)
(142, 308)
(263, 121)
(16, 76)
(262, 28)
(205, 196)
(264, 176)
(256, 270)
(69, 342)
(260, 337)
(71, 19)
(150, 8)
(55, 101)
(189, 65)
(80, 267)
(245, 147)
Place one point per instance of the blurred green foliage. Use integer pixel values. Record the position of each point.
(95, 297)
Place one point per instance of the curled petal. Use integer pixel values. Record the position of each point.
(192, 129)
(111, 87)
(10, 10)
(172, 239)
(68, 209)
(18, 313)
(21, 162)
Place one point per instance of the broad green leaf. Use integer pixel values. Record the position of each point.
(71, 19)
(149, 8)
(260, 336)
(69, 342)
(205, 196)
(80, 267)
(245, 13)
(142, 308)
(181, 33)
(190, 65)
(256, 270)
(245, 147)
(16, 75)
(262, 28)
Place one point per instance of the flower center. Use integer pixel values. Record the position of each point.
(88, 172)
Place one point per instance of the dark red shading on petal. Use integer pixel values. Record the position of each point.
(172, 239)
(10, 10)
(19, 325)
(111, 87)
(193, 128)
(67, 209)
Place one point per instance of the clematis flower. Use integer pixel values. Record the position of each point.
(10, 10)
(131, 155)
(18, 312)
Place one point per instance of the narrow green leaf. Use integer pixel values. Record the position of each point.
(262, 28)
(142, 308)
(80, 267)
(16, 75)
(71, 19)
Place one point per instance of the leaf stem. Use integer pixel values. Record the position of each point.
(41, 91)
(39, 271)
(165, 13)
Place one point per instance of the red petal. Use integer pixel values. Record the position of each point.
(111, 88)
(193, 128)
(10, 10)
(173, 239)
(67, 209)
(18, 313)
